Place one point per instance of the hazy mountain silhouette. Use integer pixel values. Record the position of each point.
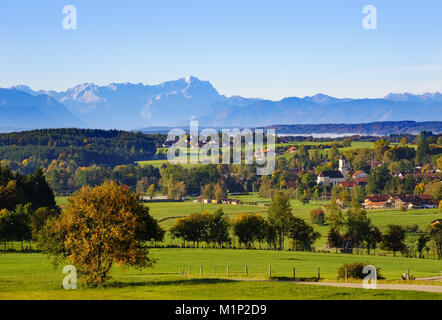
(19, 109)
(174, 103)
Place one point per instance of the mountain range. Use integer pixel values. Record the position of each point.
(132, 106)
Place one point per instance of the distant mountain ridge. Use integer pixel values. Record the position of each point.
(19, 109)
(372, 128)
(132, 106)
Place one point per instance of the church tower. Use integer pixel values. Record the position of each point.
(343, 166)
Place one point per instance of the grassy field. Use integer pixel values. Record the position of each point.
(168, 212)
(30, 276)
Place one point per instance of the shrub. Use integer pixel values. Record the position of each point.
(411, 228)
(354, 271)
(317, 216)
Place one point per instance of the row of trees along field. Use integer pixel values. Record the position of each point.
(349, 229)
(213, 228)
(26, 202)
(352, 229)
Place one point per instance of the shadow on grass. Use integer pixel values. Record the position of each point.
(128, 284)
(306, 279)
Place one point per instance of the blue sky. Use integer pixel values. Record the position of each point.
(268, 49)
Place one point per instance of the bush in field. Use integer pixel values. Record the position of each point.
(317, 216)
(355, 271)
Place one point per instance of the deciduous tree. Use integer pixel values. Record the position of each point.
(98, 228)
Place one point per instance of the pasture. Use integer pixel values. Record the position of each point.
(168, 212)
(30, 276)
(354, 145)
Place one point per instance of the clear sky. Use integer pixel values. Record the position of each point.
(268, 49)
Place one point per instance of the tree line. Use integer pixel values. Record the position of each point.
(25, 204)
(215, 229)
(352, 229)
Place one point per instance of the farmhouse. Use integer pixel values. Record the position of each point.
(412, 201)
(231, 201)
(359, 175)
(225, 201)
(349, 184)
(353, 183)
(377, 201)
(409, 201)
(159, 199)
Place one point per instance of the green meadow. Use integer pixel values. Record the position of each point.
(167, 213)
(354, 145)
(31, 276)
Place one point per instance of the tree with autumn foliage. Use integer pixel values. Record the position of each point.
(98, 228)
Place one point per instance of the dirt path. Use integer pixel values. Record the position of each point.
(430, 278)
(407, 287)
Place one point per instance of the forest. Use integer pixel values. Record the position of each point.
(29, 150)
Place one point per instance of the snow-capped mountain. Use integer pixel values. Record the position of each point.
(408, 97)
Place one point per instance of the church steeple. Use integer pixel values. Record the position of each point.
(343, 166)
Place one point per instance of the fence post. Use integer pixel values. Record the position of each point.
(201, 271)
(228, 271)
(294, 273)
(246, 271)
(270, 271)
